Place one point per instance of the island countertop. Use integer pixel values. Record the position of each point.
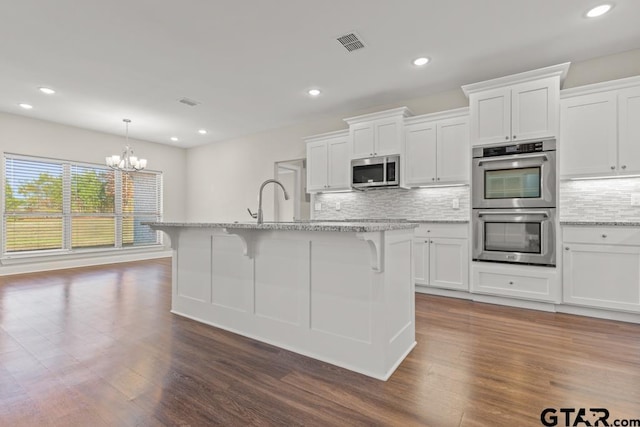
(355, 227)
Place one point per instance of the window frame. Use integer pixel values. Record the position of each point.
(67, 214)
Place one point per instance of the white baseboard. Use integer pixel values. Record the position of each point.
(443, 292)
(34, 267)
(599, 313)
(515, 302)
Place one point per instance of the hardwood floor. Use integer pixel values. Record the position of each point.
(97, 346)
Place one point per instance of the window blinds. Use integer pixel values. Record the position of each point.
(60, 205)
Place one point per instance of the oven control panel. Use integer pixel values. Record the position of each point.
(505, 150)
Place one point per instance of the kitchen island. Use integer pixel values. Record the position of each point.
(339, 292)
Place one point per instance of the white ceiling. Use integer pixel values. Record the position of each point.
(251, 62)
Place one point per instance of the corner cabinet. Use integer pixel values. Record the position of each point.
(441, 256)
(377, 134)
(436, 149)
(602, 267)
(328, 164)
(600, 129)
(516, 108)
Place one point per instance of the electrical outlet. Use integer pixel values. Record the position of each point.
(455, 204)
(635, 199)
(338, 206)
(318, 206)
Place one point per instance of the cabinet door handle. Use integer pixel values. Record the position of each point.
(604, 236)
(624, 166)
(514, 137)
(438, 178)
(566, 248)
(433, 179)
(510, 282)
(613, 167)
(506, 137)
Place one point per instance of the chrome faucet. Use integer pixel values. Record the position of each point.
(275, 181)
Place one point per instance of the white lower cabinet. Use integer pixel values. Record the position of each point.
(602, 267)
(441, 256)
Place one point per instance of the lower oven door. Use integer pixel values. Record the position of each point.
(522, 236)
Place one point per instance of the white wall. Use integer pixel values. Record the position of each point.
(223, 178)
(24, 135)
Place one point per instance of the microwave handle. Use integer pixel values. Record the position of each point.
(544, 214)
(512, 157)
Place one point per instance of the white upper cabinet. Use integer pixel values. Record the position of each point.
(436, 149)
(328, 163)
(377, 134)
(453, 151)
(516, 108)
(629, 127)
(420, 153)
(600, 129)
(494, 107)
(588, 134)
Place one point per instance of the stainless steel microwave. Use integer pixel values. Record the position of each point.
(375, 172)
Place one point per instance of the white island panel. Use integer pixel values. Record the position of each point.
(339, 293)
(342, 289)
(282, 279)
(232, 275)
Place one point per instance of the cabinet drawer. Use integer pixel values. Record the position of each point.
(532, 283)
(536, 285)
(601, 235)
(453, 231)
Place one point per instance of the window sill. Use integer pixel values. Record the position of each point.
(78, 254)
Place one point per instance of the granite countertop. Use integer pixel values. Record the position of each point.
(418, 221)
(357, 227)
(439, 221)
(603, 223)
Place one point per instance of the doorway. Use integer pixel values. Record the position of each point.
(293, 175)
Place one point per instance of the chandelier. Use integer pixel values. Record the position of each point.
(126, 162)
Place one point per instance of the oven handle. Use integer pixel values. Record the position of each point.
(513, 157)
(544, 214)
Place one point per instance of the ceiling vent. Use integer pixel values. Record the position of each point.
(189, 102)
(351, 42)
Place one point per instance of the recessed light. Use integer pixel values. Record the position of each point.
(174, 138)
(47, 90)
(421, 61)
(314, 92)
(599, 10)
(202, 132)
(26, 106)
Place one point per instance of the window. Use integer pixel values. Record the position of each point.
(57, 205)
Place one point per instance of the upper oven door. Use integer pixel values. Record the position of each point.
(515, 181)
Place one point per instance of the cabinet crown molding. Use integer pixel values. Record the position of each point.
(327, 135)
(395, 112)
(440, 115)
(541, 73)
(600, 87)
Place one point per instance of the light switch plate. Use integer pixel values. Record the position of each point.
(338, 206)
(455, 204)
(318, 206)
(635, 199)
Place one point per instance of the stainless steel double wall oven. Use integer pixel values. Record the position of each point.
(514, 203)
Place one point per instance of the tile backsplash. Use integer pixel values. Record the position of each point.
(422, 203)
(600, 200)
